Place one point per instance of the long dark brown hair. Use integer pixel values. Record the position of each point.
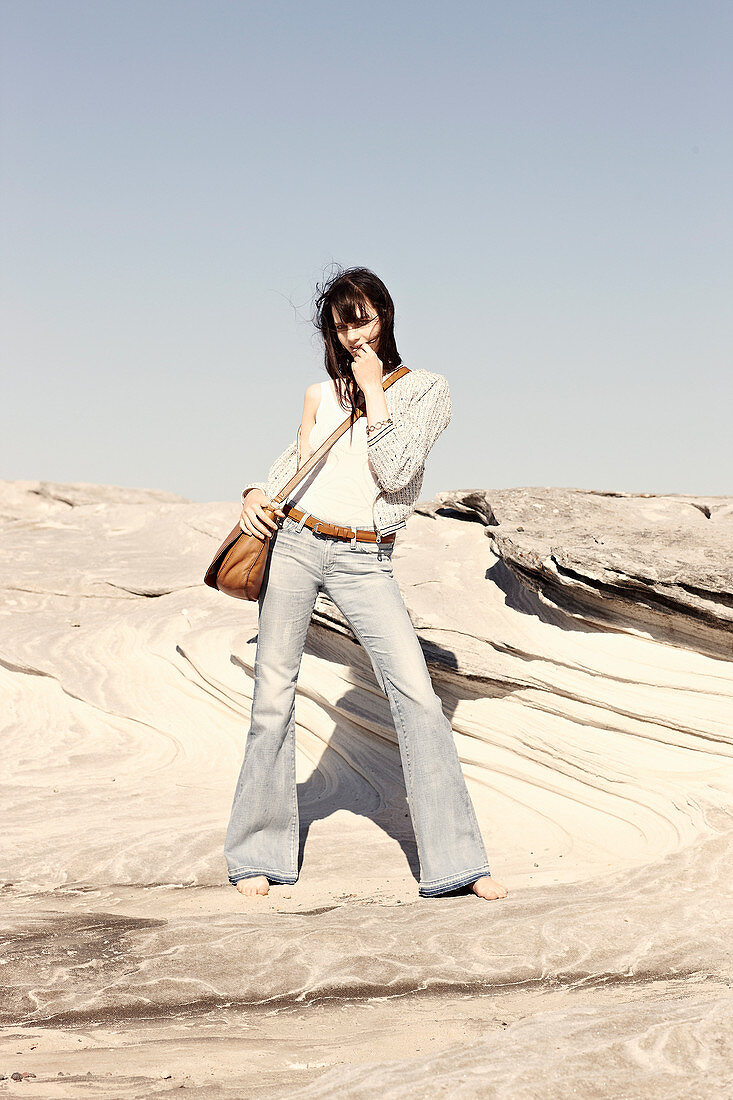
(346, 290)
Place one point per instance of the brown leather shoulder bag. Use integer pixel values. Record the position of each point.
(239, 564)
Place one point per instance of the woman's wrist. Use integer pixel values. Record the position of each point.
(379, 424)
(377, 413)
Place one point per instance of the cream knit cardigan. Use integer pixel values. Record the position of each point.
(419, 404)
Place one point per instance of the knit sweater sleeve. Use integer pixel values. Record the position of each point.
(398, 451)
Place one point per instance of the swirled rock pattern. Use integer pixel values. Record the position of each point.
(580, 643)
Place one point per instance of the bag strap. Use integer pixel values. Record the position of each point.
(328, 443)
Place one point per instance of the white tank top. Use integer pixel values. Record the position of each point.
(341, 487)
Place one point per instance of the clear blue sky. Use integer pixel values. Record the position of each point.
(545, 187)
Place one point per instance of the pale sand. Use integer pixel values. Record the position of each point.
(597, 754)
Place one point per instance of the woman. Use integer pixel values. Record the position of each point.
(336, 532)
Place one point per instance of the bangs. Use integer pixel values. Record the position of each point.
(350, 303)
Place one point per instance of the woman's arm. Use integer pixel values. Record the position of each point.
(308, 420)
(398, 451)
(310, 407)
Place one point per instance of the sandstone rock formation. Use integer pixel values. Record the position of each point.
(661, 563)
(580, 643)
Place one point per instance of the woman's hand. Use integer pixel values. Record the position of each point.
(254, 519)
(367, 368)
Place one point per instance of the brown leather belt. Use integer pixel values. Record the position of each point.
(333, 529)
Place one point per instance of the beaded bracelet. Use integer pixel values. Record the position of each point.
(379, 424)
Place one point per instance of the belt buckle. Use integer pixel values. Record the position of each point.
(317, 528)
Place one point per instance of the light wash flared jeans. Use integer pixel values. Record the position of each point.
(262, 837)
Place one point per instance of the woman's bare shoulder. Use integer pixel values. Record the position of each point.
(312, 397)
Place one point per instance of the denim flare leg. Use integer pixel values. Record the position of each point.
(263, 833)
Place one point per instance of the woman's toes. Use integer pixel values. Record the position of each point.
(255, 884)
(487, 887)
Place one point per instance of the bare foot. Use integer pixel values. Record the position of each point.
(487, 887)
(255, 884)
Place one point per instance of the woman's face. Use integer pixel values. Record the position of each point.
(364, 331)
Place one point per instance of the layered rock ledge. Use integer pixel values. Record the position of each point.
(662, 564)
